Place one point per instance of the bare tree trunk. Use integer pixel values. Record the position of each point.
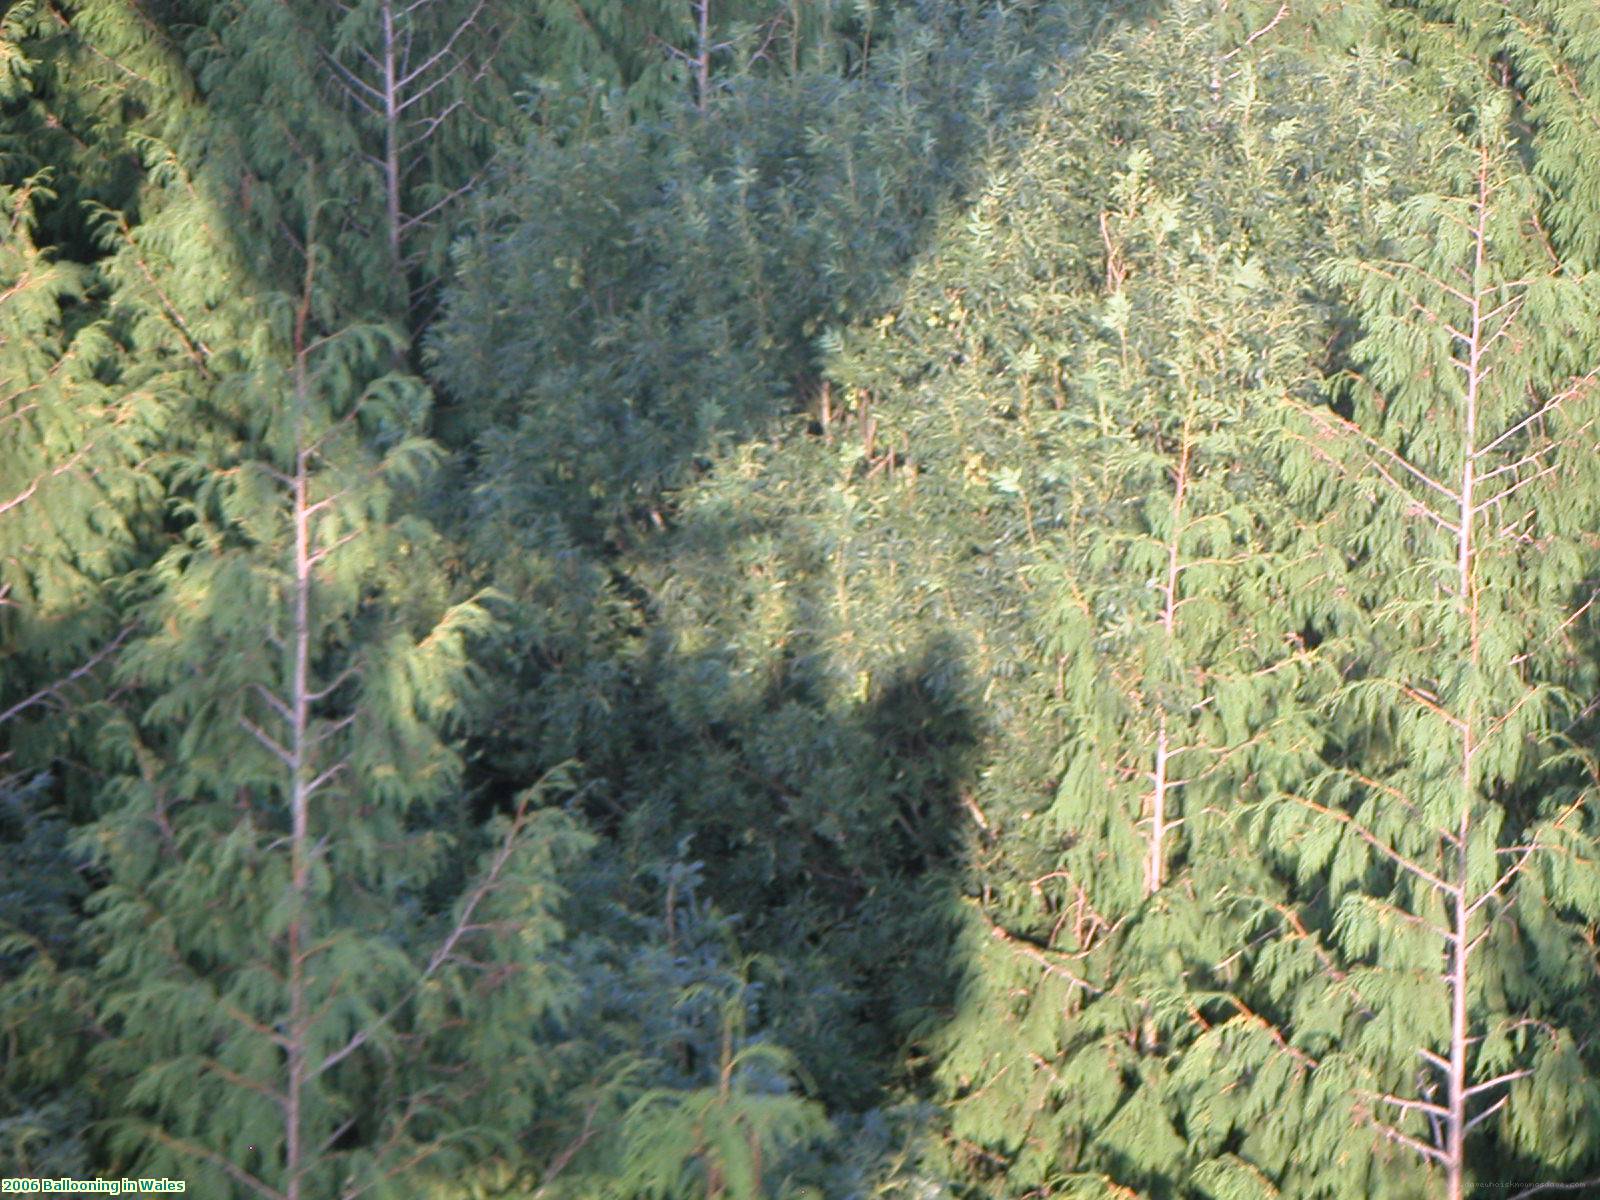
(1161, 783)
(386, 81)
(392, 178)
(298, 763)
(1155, 866)
(702, 58)
(1467, 505)
(1488, 313)
(1456, 1121)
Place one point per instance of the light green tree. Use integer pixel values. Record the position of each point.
(1445, 843)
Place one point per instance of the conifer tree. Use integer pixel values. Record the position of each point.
(85, 401)
(287, 1009)
(936, 566)
(66, 440)
(746, 639)
(430, 83)
(75, 501)
(1175, 623)
(720, 1141)
(1113, 958)
(1544, 51)
(638, 58)
(1443, 847)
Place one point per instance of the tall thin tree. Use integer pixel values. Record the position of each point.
(1444, 828)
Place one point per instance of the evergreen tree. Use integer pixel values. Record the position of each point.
(1176, 628)
(392, 111)
(1118, 939)
(899, 437)
(738, 653)
(638, 58)
(719, 1141)
(721, 248)
(286, 1008)
(1442, 848)
(77, 414)
(1545, 53)
(85, 399)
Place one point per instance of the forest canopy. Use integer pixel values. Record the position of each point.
(833, 599)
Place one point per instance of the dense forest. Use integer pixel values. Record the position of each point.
(833, 599)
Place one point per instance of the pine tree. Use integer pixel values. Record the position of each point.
(1442, 848)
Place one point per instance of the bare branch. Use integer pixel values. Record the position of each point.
(76, 674)
(1507, 493)
(1029, 950)
(267, 740)
(320, 555)
(1272, 1031)
(332, 730)
(1430, 703)
(352, 78)
(405, 81)
(194, 1150)
(1499, 884)
(1508, 1077)
(332, 1138)
(1437, 1060)
(1283, 11)
(342, 677)
(1422, 1148)
(34, 484)
(446, 948)
(559, 1163)
(420, 95)
(1332, 422)
(428, 124)
(316, 784)
(1426, 1106)
(1378, 844)
(1488, 1112)
(413, 221)
(277, 705)
(1528, 459)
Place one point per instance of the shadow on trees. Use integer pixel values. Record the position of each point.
(627, 314)
(816, 778)
(628, 307)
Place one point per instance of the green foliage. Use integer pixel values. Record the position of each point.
(715, 1141)
(283, 1013)
(1118, 365)
(608, 62)
(74, 422)
(46, 1103)
(1004, 604)
(392, 109)
(809, 722)
(672, 276)
(1451, 796)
